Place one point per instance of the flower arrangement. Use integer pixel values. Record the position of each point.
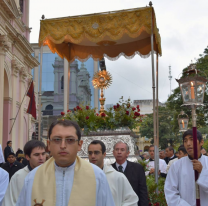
(120, 115)
(154, 198)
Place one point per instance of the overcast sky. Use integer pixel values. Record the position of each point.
(183, 27)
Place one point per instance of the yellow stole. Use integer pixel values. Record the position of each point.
(83, 189)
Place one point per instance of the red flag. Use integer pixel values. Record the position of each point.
(32, 106)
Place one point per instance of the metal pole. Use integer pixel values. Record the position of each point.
(195, 152)
(157, 120)
(154, 114)
(39, 93)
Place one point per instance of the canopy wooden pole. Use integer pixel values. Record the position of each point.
(157, 102)
(154, 111)
(66, 84)
(40, 93)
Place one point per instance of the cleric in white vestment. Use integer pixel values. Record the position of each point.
(65, 179)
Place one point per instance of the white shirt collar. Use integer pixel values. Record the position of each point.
(123, 165)
(171, 157)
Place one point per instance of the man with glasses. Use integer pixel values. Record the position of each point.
(122, 192)
(65, 179)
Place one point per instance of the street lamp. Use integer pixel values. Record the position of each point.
(183, 121)
(192, 89)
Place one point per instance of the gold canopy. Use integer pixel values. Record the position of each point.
(110, 34)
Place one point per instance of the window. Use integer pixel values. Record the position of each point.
(21, 3)
(48, 110)
(62, 82)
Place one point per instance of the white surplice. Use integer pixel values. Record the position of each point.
(180, 183)
(64, 182)
(162, 166)
(15, 187)
(4, 181)
(123, 193)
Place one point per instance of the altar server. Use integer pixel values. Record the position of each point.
(34, 151)
(65, 179)
(180, 182)
(122, 192)
(151, 164)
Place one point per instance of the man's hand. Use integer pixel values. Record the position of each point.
(197, 166)
(152, 170)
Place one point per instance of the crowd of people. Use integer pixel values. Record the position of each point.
(33, 177)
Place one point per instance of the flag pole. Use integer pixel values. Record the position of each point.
(20, 107)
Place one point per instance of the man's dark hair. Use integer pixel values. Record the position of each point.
(30, 145)
(151, 146)
(170, 148)
(65, 123)
(182, 149)
(100, 143)
(190, 132)
(8, 142)
(11, 153)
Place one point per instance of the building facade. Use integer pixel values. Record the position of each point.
(16, 63)
(81, 89)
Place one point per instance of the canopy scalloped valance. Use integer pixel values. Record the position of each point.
(111, 34)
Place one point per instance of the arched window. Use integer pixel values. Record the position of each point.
(48, 110)
(49, 107)
(62, 82)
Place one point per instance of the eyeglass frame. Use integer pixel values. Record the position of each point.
(58, 143)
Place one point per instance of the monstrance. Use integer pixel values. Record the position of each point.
(102, 80)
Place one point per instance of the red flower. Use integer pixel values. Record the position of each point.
(128, 105)
(103, 114)
(87, 117)
(68, 110)
(138, 110)
(137, 106)
(115, 107)
(87, 107)
(118, 105)
(133, 108)
(78, 107)
(62, 113)
(97, 114)
(136, 114)
(75, 109)
(127, 112)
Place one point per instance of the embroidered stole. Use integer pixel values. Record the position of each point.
(83, 189)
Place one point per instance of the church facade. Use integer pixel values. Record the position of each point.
(80, 92)
(16, 63)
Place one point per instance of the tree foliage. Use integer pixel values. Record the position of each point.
(167, 131)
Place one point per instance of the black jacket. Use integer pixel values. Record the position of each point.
(11, 170)
(167, 159)
(136, 177)
(7, 151)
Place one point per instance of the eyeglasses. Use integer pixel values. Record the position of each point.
(67, 140)
(95, 152)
